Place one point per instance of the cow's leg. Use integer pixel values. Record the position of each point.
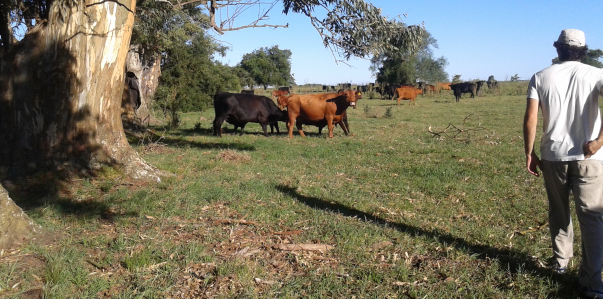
(300, 128)
(218, 126)
(242, 128)
(290, 128)
(330, 125)
(272, 126)
(344, 123)
(344, 127)
(320, 130)
(264, 127)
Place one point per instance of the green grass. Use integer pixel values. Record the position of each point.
(460, 213)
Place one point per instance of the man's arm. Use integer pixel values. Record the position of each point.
(591, 147)
(530, 122)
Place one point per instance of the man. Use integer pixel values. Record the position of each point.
(568, 95)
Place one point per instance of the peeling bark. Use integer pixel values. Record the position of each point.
(61, 92)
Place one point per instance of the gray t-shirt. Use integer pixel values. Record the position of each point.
(569, 99)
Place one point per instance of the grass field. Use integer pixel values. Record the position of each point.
(392, 211)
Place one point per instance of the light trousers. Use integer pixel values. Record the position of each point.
(585, 180)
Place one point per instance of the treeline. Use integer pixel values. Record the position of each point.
(190, 72)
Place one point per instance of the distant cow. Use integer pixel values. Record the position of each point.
(408, 93)
(239, 109)
(285, 88)
(461, 88)
(346, 85)
(443, 86)
(492, 84)
(314, 108)
(478, 86)
(247, 91)
(362, 88)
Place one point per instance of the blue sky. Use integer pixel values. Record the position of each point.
(478, 38)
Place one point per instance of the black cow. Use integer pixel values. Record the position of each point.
(460, 88)
(479, 85)
(325, 88)
(247, 91)
(239, 109)
(362, 88)
(285, 88)
(133, 89)
(492, 84)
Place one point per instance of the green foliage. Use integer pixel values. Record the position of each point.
(159, 25)
(406, 67)
(357, 28)
(491, 78)
(267, 66)
(456, 78)
(594, 57)
(389, 113)
(515, 77)
(190, 76)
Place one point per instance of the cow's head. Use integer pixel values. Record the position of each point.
(282, 101)
(351, 96)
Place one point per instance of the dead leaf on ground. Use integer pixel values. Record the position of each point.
(380, 245)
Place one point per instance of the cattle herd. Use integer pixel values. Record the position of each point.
(325, 109)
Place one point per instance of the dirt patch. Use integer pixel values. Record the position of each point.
(233, 156)
(23, 263)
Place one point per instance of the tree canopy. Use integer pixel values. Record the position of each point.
(268, 66)
(594, 57)
(406, 67)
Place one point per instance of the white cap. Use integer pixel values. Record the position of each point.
(572, 37)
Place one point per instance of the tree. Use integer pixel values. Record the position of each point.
(61, 85)
(190, 76)
(406, 67)
(593, 57)
(515, 77)
(456, 78)
(268, 66)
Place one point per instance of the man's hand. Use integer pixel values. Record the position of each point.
(591, 147)
(533, 163)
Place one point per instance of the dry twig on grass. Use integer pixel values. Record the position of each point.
(152, 146)
(456, 133)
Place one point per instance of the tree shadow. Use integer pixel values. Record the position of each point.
(48, 139)
(151, 137)
(510, 260)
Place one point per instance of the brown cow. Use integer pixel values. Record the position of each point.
(278, 93)
(343, 123)
(443, 86)
(315, 108)
(408, 93)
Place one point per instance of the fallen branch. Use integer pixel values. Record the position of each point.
(306, 247)
(535, 229)
(453, 132)
(231, 221)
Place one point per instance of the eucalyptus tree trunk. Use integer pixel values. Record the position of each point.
(61, 90)
(16, 228)
(147, 72)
